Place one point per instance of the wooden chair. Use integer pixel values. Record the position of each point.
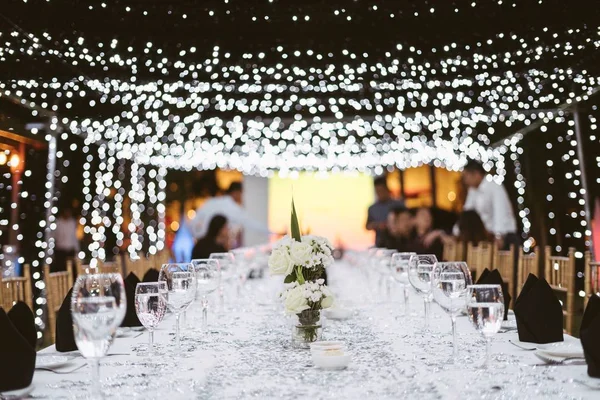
(592, 278)
(528, 264)
(16, 289)
(504, 262)
(560, 274)
(58, 285)
(453, 250)
(479, 257)
(138, 266)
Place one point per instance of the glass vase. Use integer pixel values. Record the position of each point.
(307, 328)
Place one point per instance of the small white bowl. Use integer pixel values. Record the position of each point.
(327, 345)
(332, 362)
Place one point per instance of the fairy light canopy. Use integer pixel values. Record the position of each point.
(263, 86)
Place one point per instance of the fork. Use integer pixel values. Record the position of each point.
(59, 371)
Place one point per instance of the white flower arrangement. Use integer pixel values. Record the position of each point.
(312, 253)
(307, 296)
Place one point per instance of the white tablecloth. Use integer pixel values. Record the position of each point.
(247, 353)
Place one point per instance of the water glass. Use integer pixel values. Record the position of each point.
(485, 308)
(95, 320)
(150, 307)
(208, 279)
(180, 291)
(420, 269)
(449, 287)
(399, 271)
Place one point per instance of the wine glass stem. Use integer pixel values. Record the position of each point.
(221, 297)
(487, 352)
(406, 300)
(150, 341)
(177, 338)
(427, 309)
(204, 312)
(454, 340)
(96, 387)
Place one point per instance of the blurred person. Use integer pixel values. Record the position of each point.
(377, 215)
(490, 200)
(427, 239)
(216, 239)
(472, 229)
(66, 244)
(401, 235)
(230, 207)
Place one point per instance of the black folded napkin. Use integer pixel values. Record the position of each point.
(539, 313)
(65, 339)
(151, 275)
(22, 318)
(484, 274)
(494, 278)
(131, 318)
(589, 333)
(17, 355)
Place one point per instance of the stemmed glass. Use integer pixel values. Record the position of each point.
(420, 268)
(399, 270)
(485, 308)
(150, 307)
(449, 286)
(98, 306)
(227, 264)
(208, 277)
(180, 291)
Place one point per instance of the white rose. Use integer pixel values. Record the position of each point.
(327, 302)
(301, 252)
(295, 302)
(280, 262)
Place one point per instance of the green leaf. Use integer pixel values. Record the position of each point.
(295, 226)
(290, 278)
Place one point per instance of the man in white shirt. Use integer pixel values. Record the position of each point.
(228, 206)
(490, 200)
(66, 244)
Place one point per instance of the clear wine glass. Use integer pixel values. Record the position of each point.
(420, 269)
(180, 291)
(150, 307)
(95, 320)
(399, 271)
(449, 287)
(107, 285)
(208, 277)
(485, 308)
(227, 264)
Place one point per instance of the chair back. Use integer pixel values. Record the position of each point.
(592, 278)
(528, 264)
(15, 289)
(479, 257)
(58, 285)
(560, 273)
(453, 250)
(504, 262)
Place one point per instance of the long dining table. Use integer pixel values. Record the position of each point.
(245, 351)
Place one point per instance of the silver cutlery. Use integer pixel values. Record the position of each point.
(560, 361)
(59, 371)
(521, 346)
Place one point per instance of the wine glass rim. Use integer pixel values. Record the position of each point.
(96, 299)
(487, 286)
(150, 283)
(187, 264)
(204, 260)
(101, 275)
